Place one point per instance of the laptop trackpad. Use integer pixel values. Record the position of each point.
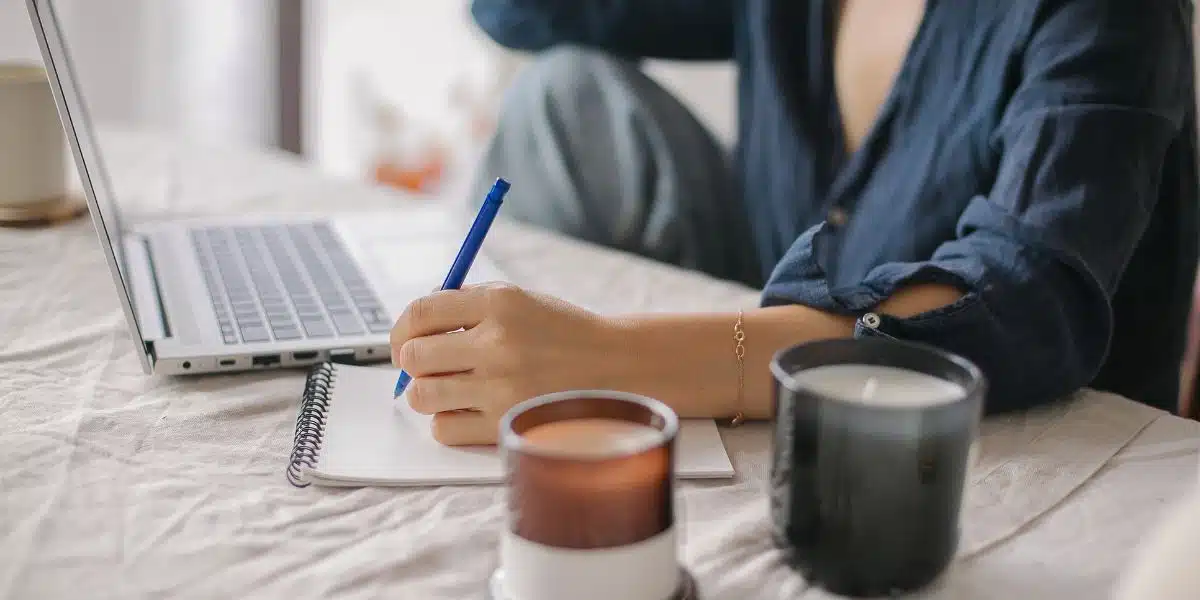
(407, 254)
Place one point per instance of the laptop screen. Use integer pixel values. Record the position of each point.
(97, 187)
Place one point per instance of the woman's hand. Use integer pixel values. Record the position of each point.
(474, 353)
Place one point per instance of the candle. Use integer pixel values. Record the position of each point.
(593, 437)
(879, 385)
(590, 497)
(873, 440)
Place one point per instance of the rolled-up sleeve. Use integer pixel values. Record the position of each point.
(1102, 96)
(668, 29)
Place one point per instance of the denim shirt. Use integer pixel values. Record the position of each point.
(1040, 155)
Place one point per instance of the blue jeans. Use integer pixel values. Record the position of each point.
(595, 149)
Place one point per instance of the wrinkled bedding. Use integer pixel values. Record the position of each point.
(114, 484)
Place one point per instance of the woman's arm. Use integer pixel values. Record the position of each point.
(476, 352)
(1104, 93)
(669, 29)
(688, 361)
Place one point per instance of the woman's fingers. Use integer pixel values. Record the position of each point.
(440, 354)
(439, 312)
(441, 393)
(465, 428)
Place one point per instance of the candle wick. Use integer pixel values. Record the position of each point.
(869, 388)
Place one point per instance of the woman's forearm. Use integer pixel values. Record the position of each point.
(688, 360)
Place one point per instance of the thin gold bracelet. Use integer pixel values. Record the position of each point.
(739, 350)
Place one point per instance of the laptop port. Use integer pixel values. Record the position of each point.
(265, 360)
(304, 355)
(227, 362)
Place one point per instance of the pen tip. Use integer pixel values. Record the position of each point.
(501, 186)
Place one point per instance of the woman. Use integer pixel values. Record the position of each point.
(1011, 181)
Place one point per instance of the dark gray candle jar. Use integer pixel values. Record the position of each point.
(872, 446)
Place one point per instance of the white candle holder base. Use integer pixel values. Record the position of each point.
(44, 213)
(687, 587)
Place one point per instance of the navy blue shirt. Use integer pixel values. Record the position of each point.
(1038, 154)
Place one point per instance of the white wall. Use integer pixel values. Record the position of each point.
(16, 38)
(200, 68)
(400, 54)
(209, 68)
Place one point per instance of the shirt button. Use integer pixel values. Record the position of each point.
(837, 217)
(871, 320)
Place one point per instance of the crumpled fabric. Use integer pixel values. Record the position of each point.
(114, 484)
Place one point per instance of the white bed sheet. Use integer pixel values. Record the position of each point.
(118, 485)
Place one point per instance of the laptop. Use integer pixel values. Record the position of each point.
(242, 294)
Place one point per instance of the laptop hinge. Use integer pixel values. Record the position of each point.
(147, 293)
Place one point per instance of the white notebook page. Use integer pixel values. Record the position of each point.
(371, 439)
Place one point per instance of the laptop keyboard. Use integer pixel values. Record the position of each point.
(285, 282)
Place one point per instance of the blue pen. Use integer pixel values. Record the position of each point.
(468, 252)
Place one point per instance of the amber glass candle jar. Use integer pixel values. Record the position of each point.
(591, 512)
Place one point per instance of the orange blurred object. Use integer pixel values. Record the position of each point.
(418, 178)
(407, 157)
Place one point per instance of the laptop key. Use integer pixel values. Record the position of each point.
(287, 333)
(230, 339)
(379, 327)
(346, 323)
(255, 334)
(374, 315)
(317, 328)
(281, 323)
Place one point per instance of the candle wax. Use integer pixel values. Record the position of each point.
(593, 437)
(879, 385)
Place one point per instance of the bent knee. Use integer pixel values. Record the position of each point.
(567, 71)
(573, 60)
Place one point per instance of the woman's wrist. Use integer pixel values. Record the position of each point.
(686, 361)
(690, 361)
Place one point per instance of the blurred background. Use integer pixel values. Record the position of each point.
(394, 92)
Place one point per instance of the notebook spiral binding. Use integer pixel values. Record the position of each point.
(310, 422)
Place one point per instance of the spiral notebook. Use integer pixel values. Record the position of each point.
(351, 433)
